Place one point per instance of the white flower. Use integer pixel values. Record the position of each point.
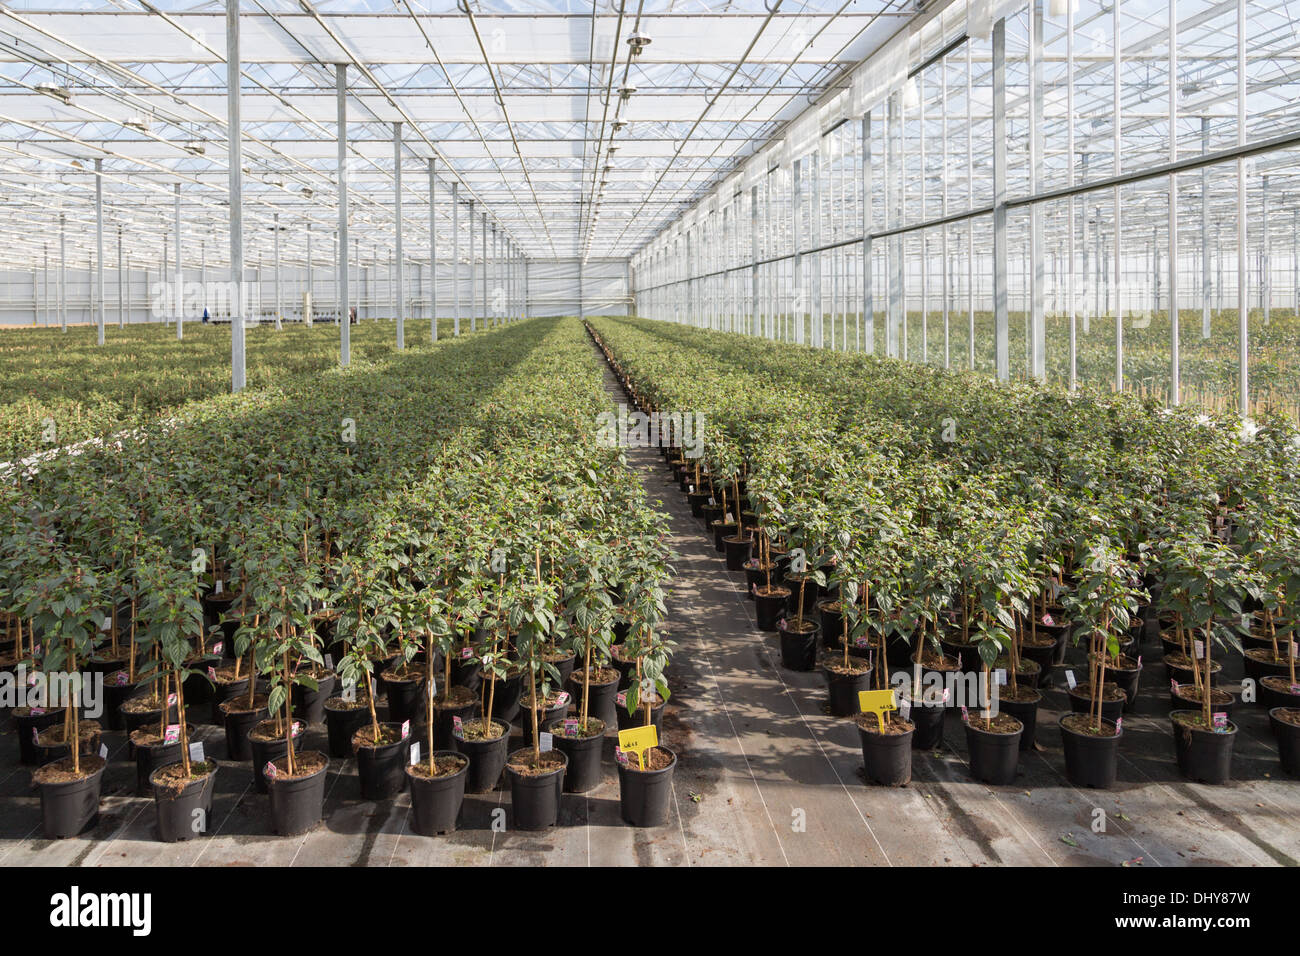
(1204, 420)
(1247, 430)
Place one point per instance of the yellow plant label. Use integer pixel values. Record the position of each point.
(638, 740)
(878, 702)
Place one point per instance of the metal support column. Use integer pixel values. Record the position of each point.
(1000, 317)
(433, 257)
(99, 247)
(344, 303)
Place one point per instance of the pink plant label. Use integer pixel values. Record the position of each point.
(562, 699)
(1173, 685)
(621, 698)
(120, 679)
(36, 737)
(212, 673)
(466, 653)
(171, 700)
(36, 711)
(269, 770)
(571, 728)
(1220, 721)
(620, 756)
(406, 729)
(965, 715)
(1119, 724)
(297, 727)
(456, 727)
(217, 647)
(172, 733)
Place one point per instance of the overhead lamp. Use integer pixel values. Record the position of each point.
(625, 92)
(61, 93)
(137, 123)
(620, 125)
(307, 192)
(638, 41)
(196, 147)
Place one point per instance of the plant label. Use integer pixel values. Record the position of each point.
(1198, 648)
(218, 647)
(456, 727)
(171, 700)
(406, 729)
(965, 714)
(196, 752)
(571, 727)
(545, 741)
(1071, 680)
(1295, 649)
(1220, 721)
(297, 728)
(1295, 689)
(415, 753)
(638, 740)
(37, 711)
(1047, 619)
(350, 691)
(219, 587)
(36, 736)
(104, 625)
(329, 662)
(905, 708)
(621, 698)
(1173, 686)
(620, 756)
(212, 673)
(120, 678)
(690, 489)
(712, 503)
(878, 702)
(269, 770)
(172, 734)
(862, 641)
(466, 653)
(103, 751)
(562, 699)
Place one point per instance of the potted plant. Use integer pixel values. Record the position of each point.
(645, 779)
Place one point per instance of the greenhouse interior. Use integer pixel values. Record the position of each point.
(762, 433)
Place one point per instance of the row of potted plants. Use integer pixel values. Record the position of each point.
(949, 523)
(426, 530)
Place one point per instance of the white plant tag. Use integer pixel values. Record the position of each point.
(1070, 679)
(905, 708)
(1198, 647)
(545, 741)
(103, 751)
(196, 752)
(329, 662)
(220, 587)
(415, 753)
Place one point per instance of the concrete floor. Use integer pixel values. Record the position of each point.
(764, 778)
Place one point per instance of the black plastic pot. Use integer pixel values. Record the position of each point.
(544, 717)
(1127, 680)
(309, 704)
(535, 798)
(755, 577)
(799, 648)
(198, 688)
(843, 690)
(262, 753)
(1044, 655)
(927, 721)
(1090, 761)
(1204, 755)
(1111, 710)
(69, 808)
(832, 623)
(1179, 703)
(583, 772)
(436, 801)
(601, 702)
(222, 692)
(698, 501)
(710, 513)
(1258, 663)
(185, 814)
(721, 531)
(1025, 711)
(626, 670)
(115, 695)
(380, 770)
(627, 721)
(340, 724)
(993, 756)
(28, 722)
(298, 803)
(405, 698)
(150, 757)
(967, 655)
(1183, 673)
(88, 745)
(737, 549)
(487, 758)
(565, 667)
(147, 718)
(238, 723)
(645, 795)
(811, 594)
(1287, 736)
(444, 722)
(505, 702)
(1279, 694)
(886, 758)
(769, 608)
(467, 672)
